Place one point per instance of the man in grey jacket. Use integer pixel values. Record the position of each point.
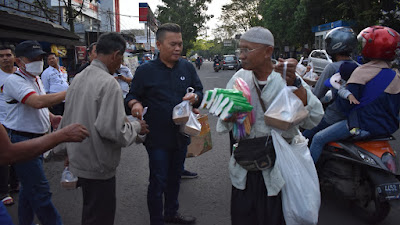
(94, 100)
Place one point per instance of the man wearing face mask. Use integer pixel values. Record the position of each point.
(28, 118)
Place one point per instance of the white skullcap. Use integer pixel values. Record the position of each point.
(259, 35)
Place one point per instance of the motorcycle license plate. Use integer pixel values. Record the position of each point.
(389, 191)
(230, 67)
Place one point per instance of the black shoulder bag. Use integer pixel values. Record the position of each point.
(257, 153)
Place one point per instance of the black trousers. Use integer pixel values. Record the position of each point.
(99, 201)
(7, 177)
(58, 109)
(3, 180)
(252, 206)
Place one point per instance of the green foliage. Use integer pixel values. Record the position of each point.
(189, 14)
(291, 20)
(238, 16)
(210, 48)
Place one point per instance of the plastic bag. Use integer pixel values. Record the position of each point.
(201, 143)
(141, 137)
(310, 75)
(192, 126)
(286, 110)
(181, 112)
(301, 197)
(68, 180)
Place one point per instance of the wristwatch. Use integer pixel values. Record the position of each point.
(297, 82)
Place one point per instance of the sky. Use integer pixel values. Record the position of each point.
(131, 8)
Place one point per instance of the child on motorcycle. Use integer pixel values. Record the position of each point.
(376, 86)
(339, 80)
(340, 42)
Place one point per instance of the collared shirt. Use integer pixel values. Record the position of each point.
(22, 117)
(126, 72)
(272, 177)
(3, 105)
(94, 100)
(161, 88)
(54, 80)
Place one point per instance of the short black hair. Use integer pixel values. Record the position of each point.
(167, 27)
(90, 48)
(8, 47)
(110, 42)
(51, 53)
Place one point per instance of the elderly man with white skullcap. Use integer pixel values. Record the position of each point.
(256, 197)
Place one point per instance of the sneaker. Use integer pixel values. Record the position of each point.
(180, 219)
(188, 175)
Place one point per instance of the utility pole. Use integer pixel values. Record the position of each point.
(109, 15)
(59, 12)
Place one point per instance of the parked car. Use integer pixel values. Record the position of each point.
(320, 59)
(230, 62)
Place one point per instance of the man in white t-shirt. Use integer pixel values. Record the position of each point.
(55, 79)
(28, 118)
(6, 176)
(124, 78)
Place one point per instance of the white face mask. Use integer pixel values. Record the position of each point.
(34, 68)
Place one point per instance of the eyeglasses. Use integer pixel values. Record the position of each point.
(247, 51)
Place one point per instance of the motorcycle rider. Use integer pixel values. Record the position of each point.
(375, 85)
(216, 60)
(346, 39)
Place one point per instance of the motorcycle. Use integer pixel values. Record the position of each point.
(363, 172)
(217, 67)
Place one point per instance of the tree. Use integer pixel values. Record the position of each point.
(239, 15)
(189, 14)
(279, 16)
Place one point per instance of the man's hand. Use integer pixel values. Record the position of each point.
(196, 111)
(144, 127)
(136, 109)
(290, 69)
(55, 120)
(191, 97)
(74, 133)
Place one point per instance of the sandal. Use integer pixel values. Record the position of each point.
(8, 200)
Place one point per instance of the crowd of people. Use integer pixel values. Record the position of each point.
(87, 120)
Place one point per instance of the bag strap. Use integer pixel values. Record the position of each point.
(259, 95)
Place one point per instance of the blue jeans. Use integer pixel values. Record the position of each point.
(5, 218)
(165, 177)
(34, 194)
(337, 131)
(310, 133)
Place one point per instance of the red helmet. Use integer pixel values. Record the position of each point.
(379, 42)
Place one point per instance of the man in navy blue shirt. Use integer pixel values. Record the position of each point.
(160, 85)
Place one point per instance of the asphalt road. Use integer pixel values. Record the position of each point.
(206, 197)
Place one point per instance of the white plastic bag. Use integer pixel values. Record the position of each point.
(192, 126)
(181, 112)
(301, 197)
(311, 75)
(286, 110)
(68, 180)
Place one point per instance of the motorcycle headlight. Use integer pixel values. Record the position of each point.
(389, 162)
(367, 158)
